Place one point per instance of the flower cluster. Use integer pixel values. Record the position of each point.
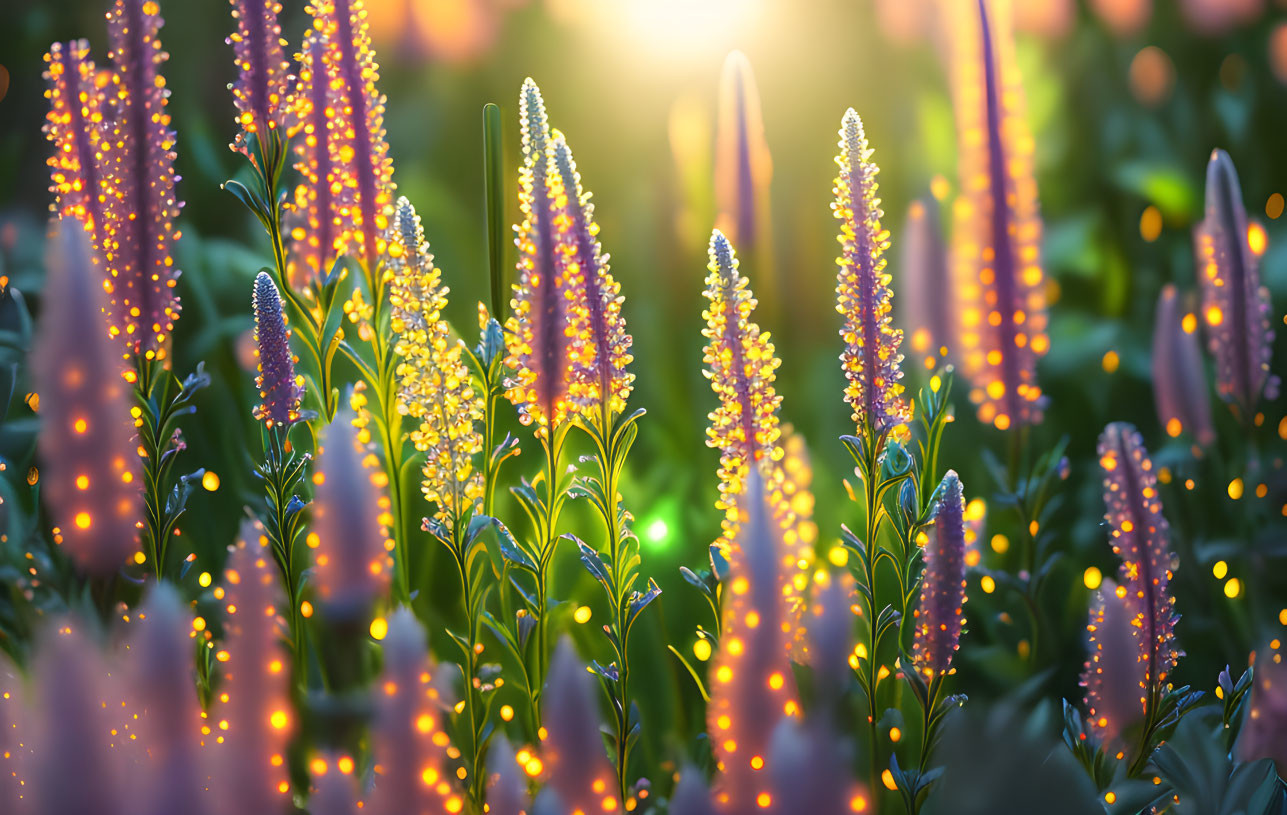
(1114, 673)
(871, 357)
(997, 235)
(138, 151)
(1140, 538)
(741, 366)
(263, 73)
(279, 388)
(599, 347)
(938, 616)
(537, 332)
(76, 126)
(433, 381)
(1235, 305)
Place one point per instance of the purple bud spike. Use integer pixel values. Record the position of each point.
(830, 639)
(743, 167)
(75, 769)
(507, 792)
(925, 285)
(938, 616)
(255, 683)
(752, 686)
(1140, 537)
(1235, 305)
(1264, 734)
(691, 796)
(263, 74)
(1179, 385)
(871, 358)
(170, 716)
(1114, 674)
(89, 467)
(75, 126)
(996, 242)
(140, 162)
(810, 768)
(334, 793)
(351, 558)
(278, 387)
(409, 732)
(574, 748)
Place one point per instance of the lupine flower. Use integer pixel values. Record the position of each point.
(743, 167)
(263, 73)
(434, 385)
(139, 153)
(537, 331)
(507, 791)
(871, 357)
(938, 615)
(89, 467)
(1114, 673)
(600, 346)
(314, 222)
(1179, 384)
(925, 284)
(1140, 537)
(792, 494)
(1235, 305)
(578, 767)
(996, 241)
(1264, 733)
(811, 773)
(409, 735)
(75, 126)
(352, 541)
(279, 388)
(691, 797)
(740, 366)
(161, 682)
(254, 692)
(359, 151)
(751, 684)
(75, 770)
(334, 791)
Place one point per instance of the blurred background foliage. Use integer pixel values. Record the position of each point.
(1124, 113)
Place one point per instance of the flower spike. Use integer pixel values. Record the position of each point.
(263, 74)
(741, 366)
(1140, 538)
(434, 383)
(140, 157)
(996, 242)
(600, 346)
(537, 331)
(871, 357)
(579, 770)
(1235, 305)
(1114, 673)
(1264, 733)
(75, 126)
(938, 616)
(89, 467)
(279, 387)
(924, 285)
(743, 166)
(1179, 384)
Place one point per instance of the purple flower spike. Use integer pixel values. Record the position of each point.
(1264, 734)
(1179, 384)
(1140, 537)
(170, 714)
(1234, 304)
(75, 127)
(278, 386)
(1114, 674)
(871, 357)
(255, 681)
(88, 465)
(15, 739)
(139, 153)
(352, 569)
(507, 791)
(574, 749)
(263, 74)
(408, 734)
(335, 793)
(691, 796)
(938, 616)
(924, 307)
(743, 167)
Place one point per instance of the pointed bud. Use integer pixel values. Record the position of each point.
(1179, 384)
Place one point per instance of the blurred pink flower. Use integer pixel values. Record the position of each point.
(1123, 17)
(1215, 17)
